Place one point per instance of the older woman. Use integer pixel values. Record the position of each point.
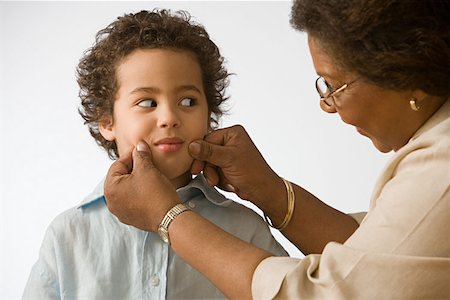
(383, 66)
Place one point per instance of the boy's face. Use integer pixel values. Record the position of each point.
(160, 100)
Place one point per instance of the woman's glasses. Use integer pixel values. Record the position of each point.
(326, 92)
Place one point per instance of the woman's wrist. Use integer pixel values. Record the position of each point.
(273, 200)
(163, 208)
(290, 209)
(171, 215)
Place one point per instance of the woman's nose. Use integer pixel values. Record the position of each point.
(331, 109)
(167, 117)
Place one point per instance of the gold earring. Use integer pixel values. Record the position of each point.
(413, 104)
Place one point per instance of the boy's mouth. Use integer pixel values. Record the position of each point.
(169, 144)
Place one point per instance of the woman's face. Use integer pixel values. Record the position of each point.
(375, 112)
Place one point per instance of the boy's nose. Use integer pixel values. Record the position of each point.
(167, 118)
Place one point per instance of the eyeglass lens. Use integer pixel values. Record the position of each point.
(322, 87)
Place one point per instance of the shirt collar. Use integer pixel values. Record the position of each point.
(195, 187)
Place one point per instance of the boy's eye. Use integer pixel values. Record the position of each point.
(187, 102)
(147, 103)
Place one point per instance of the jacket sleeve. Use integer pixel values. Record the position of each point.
(342, 272)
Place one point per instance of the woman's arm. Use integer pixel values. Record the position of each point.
(139, 195)
(313, 225)
(224, 259)
(244, 171)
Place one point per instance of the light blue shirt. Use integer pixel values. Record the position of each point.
(87, 253)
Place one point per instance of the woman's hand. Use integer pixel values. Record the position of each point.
(136, 192)
(230, 160)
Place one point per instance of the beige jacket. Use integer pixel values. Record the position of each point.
(401, 249)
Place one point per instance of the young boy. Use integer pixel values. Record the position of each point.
(152, 76)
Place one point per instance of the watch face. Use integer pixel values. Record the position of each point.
(163, 234)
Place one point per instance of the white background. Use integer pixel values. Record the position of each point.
(49, 162)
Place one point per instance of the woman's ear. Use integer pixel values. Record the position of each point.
(419, 94)
(106, 128)
(420, 98)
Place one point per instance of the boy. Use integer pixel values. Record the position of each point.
(153, 76)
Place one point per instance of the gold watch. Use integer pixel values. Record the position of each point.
(163, 228)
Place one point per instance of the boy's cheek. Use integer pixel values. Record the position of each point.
(125, 143)
(138, 131)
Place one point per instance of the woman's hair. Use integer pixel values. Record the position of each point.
(96, 72)
(395, 44)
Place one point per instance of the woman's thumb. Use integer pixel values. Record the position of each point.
(142, 156)
(204, 151)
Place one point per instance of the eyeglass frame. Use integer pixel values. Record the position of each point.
(332, 93)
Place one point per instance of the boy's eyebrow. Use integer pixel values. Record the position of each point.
(145, 89)
(188, 87)
(150, 89)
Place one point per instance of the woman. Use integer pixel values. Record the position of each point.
(383, 66)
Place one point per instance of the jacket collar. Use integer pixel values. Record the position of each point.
(440, 116)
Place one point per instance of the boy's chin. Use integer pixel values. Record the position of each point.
(179, 180)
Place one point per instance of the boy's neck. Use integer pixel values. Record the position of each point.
(181, 180)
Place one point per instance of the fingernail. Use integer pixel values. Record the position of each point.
(142, 147)
(230, 188)
(194, 148)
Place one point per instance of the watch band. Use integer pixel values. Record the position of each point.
(163, 228)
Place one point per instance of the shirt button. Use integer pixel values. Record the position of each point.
(154, 280)
(191, 204)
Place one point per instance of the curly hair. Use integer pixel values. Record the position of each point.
(394, 44)
(96, 71)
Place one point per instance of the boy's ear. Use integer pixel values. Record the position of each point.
(210, 122)
(106, 128)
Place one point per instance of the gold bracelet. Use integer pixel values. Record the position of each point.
(163, 228)
(290, 212)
